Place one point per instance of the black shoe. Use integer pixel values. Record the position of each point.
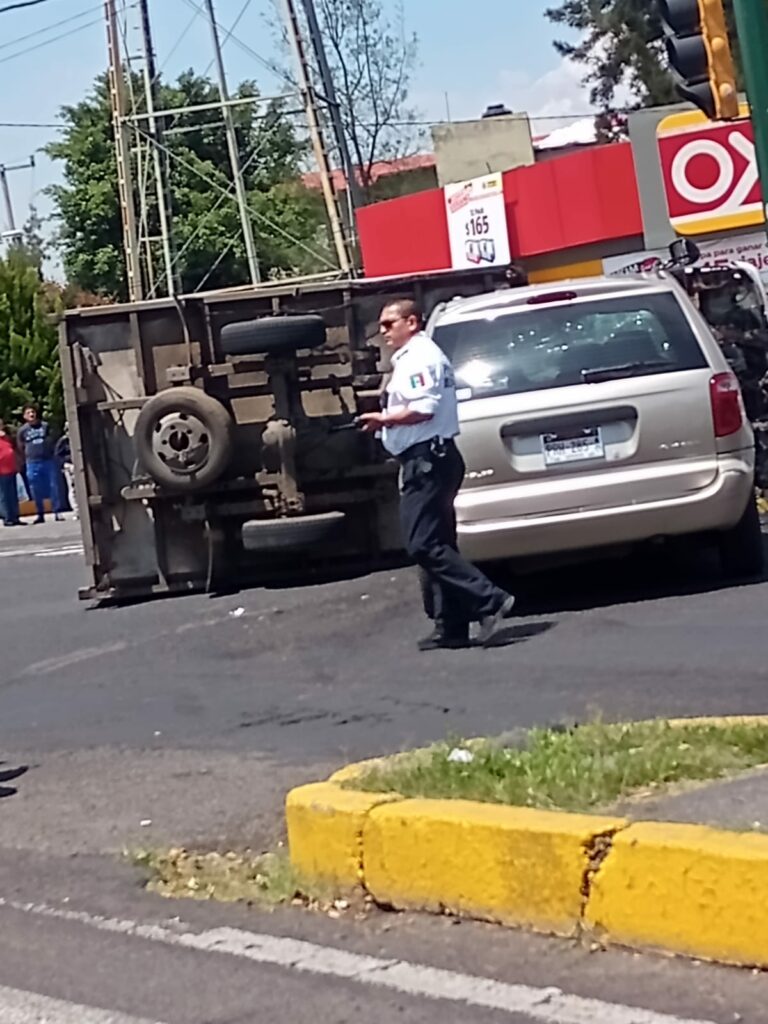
(490, 623)
(437, 641)
(40, 519)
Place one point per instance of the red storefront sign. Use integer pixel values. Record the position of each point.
(574, 201)
(710, 174)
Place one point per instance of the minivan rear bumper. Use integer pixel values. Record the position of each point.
(717, 506)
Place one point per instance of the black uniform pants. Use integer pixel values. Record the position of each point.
(455, 592)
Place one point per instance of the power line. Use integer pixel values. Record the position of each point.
(229, 34)
(47, 42)
(48, 28)
(395, 124)
(246, 48)
(32, 124)
(182, 36)
(22, 3)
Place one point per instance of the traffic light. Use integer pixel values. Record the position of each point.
(700, 55)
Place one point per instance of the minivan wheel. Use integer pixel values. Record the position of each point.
(741, 547)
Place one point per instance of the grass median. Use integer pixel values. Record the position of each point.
(585, 768)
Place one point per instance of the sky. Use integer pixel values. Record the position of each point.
(504, 56)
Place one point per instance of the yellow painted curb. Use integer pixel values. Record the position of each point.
(679, 888)
(515, 865)
(685, 888)
(325, 829)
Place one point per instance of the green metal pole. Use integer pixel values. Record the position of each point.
(752, 25)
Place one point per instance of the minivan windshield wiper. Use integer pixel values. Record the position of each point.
(624, 370)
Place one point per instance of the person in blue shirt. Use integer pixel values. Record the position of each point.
(36, 447)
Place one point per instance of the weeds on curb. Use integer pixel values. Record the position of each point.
(580, 769)
(268, 880)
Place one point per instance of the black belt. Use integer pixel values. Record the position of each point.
(424, 449)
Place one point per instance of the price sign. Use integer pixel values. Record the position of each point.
(477, 223)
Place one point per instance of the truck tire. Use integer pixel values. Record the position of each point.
(272, 335)
(741, 547)
(293, 532)
(184, 439)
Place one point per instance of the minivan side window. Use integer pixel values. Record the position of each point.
(530, 348)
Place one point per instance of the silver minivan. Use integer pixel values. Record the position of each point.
(596, 413)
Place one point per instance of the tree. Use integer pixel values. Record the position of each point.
(33, 243)
(29, 362)
(621, 44)
(371, 60)
(289, 223)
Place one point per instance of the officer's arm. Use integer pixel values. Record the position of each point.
(401, 416)
(404, 416)
(421, 392)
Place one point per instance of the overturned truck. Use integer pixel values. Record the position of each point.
(213, 435)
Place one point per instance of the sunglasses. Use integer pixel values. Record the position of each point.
(387, 325)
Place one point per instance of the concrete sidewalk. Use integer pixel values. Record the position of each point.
(49, 534)
(740, 804)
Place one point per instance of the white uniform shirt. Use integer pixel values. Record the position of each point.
(422, 380)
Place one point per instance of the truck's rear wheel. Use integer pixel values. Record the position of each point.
(184, 439)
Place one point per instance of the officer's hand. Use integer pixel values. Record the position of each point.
(370, 422)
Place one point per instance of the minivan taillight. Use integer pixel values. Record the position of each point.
(725, 395)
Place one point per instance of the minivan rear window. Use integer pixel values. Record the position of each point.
(536, 348)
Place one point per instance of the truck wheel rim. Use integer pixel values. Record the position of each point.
(181, 442)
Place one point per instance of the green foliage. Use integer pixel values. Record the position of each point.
(577, 769)
(29, 362)
(289, 221)
(621, 43)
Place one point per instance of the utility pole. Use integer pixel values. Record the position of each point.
(234, 153)
(316, 135)
(159, 154)
(752, 25)
(354, 198)
(13, 235)
(123, 155)
(7, 197)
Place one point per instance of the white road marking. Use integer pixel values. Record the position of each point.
(543, 1005)
(40, 668)
(72, 549)
(17, 1007)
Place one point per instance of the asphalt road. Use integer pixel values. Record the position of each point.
(185, 721)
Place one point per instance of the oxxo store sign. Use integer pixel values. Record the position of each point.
(710, 173)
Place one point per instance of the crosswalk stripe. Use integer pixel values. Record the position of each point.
(541, 1005)
(72, 549)
(59, 552)
(19, 1007)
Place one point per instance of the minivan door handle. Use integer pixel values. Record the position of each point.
(569, 420)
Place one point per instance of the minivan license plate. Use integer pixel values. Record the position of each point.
(572, 446)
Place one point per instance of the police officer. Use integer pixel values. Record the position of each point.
(418, 423)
